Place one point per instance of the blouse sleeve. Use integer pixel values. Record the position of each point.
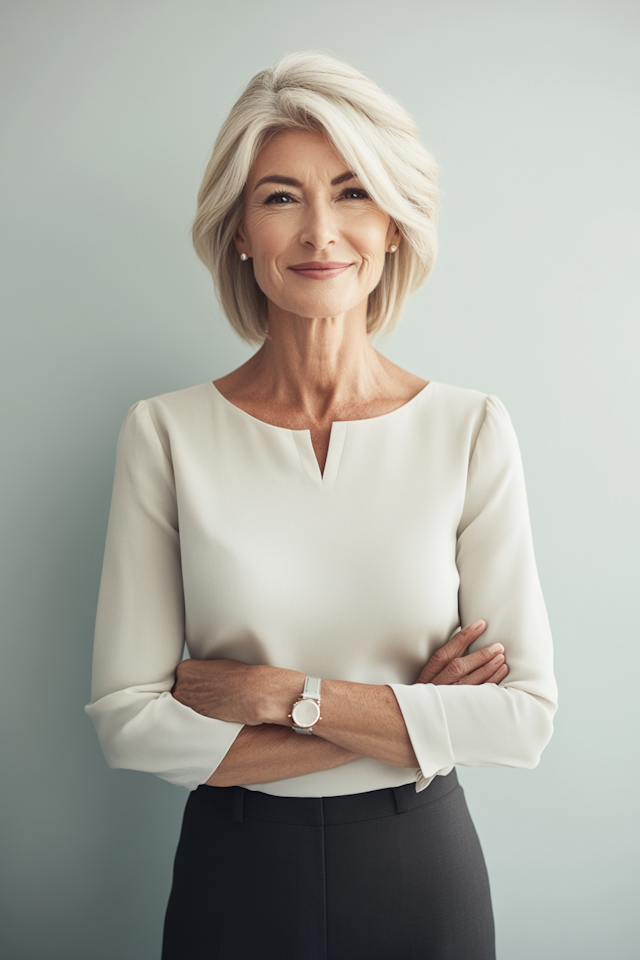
(510, 723)
(140, 632)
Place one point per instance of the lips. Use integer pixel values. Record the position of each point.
(320, 269)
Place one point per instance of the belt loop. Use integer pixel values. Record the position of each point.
(237, 805)
(400, 795)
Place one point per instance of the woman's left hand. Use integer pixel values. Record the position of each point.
(236, 692)
(451, 665)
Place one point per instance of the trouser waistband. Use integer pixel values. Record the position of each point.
(245, 804)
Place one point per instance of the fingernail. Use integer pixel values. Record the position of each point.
(498, 659)
(495, 648)
(478, 624)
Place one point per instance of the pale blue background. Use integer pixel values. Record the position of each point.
(532, 109)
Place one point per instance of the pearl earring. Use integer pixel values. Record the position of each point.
(243, 256)
(392, 248)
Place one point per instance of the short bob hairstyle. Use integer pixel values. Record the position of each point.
(378, 141)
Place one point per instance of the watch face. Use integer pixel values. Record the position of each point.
(305, 713)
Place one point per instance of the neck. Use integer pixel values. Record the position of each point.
(317, 365)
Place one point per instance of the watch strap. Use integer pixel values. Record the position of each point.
(312, 687)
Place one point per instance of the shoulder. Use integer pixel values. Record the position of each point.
(458, 400)
(177, 405)
(464, 401)
(460, 405)
(154, 421)
(469, 414)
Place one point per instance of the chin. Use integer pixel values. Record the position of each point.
(321, 306)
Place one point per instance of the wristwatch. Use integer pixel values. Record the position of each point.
(306, 711)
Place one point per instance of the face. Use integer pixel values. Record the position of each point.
(317, 240)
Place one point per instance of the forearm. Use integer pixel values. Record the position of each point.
(366, 719)
(358, 719)
(362, 718)
(269, 752)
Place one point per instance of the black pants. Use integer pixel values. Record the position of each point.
(386, 875)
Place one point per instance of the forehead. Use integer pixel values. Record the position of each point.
(299, 154)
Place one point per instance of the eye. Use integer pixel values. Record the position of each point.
(355, 193)
(279, 198)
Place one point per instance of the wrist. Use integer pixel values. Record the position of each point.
(281, 689)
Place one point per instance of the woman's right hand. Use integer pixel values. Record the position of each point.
(449, 665)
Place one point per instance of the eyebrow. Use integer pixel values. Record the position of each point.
(292, 182)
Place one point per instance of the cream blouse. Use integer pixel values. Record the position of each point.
(224, 534)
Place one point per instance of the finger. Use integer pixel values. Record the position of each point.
(460, 668)
(454, 647)
(499, 675)
(485, 673)
(462, 640)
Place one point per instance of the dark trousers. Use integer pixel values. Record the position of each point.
(386, 875)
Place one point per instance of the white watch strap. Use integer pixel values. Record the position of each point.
(312, 688)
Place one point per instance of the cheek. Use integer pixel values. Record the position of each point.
(373, 250)
(268, 235)
(269, 243)
(371, 236)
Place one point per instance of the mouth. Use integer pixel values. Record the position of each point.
(320, 269)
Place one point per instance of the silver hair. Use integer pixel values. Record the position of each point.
(377, 139)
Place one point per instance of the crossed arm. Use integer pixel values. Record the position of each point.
(358, 719)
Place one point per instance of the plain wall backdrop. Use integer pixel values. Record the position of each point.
(110, 110)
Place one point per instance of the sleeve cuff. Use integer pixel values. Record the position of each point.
(429, 738)
(158, 734)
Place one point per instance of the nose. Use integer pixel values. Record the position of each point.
(319, 228)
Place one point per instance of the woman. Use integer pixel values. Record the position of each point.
(318, 525)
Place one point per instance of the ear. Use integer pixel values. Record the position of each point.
(394, 234)
(241, 241)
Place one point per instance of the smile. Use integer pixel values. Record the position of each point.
(320, 270)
